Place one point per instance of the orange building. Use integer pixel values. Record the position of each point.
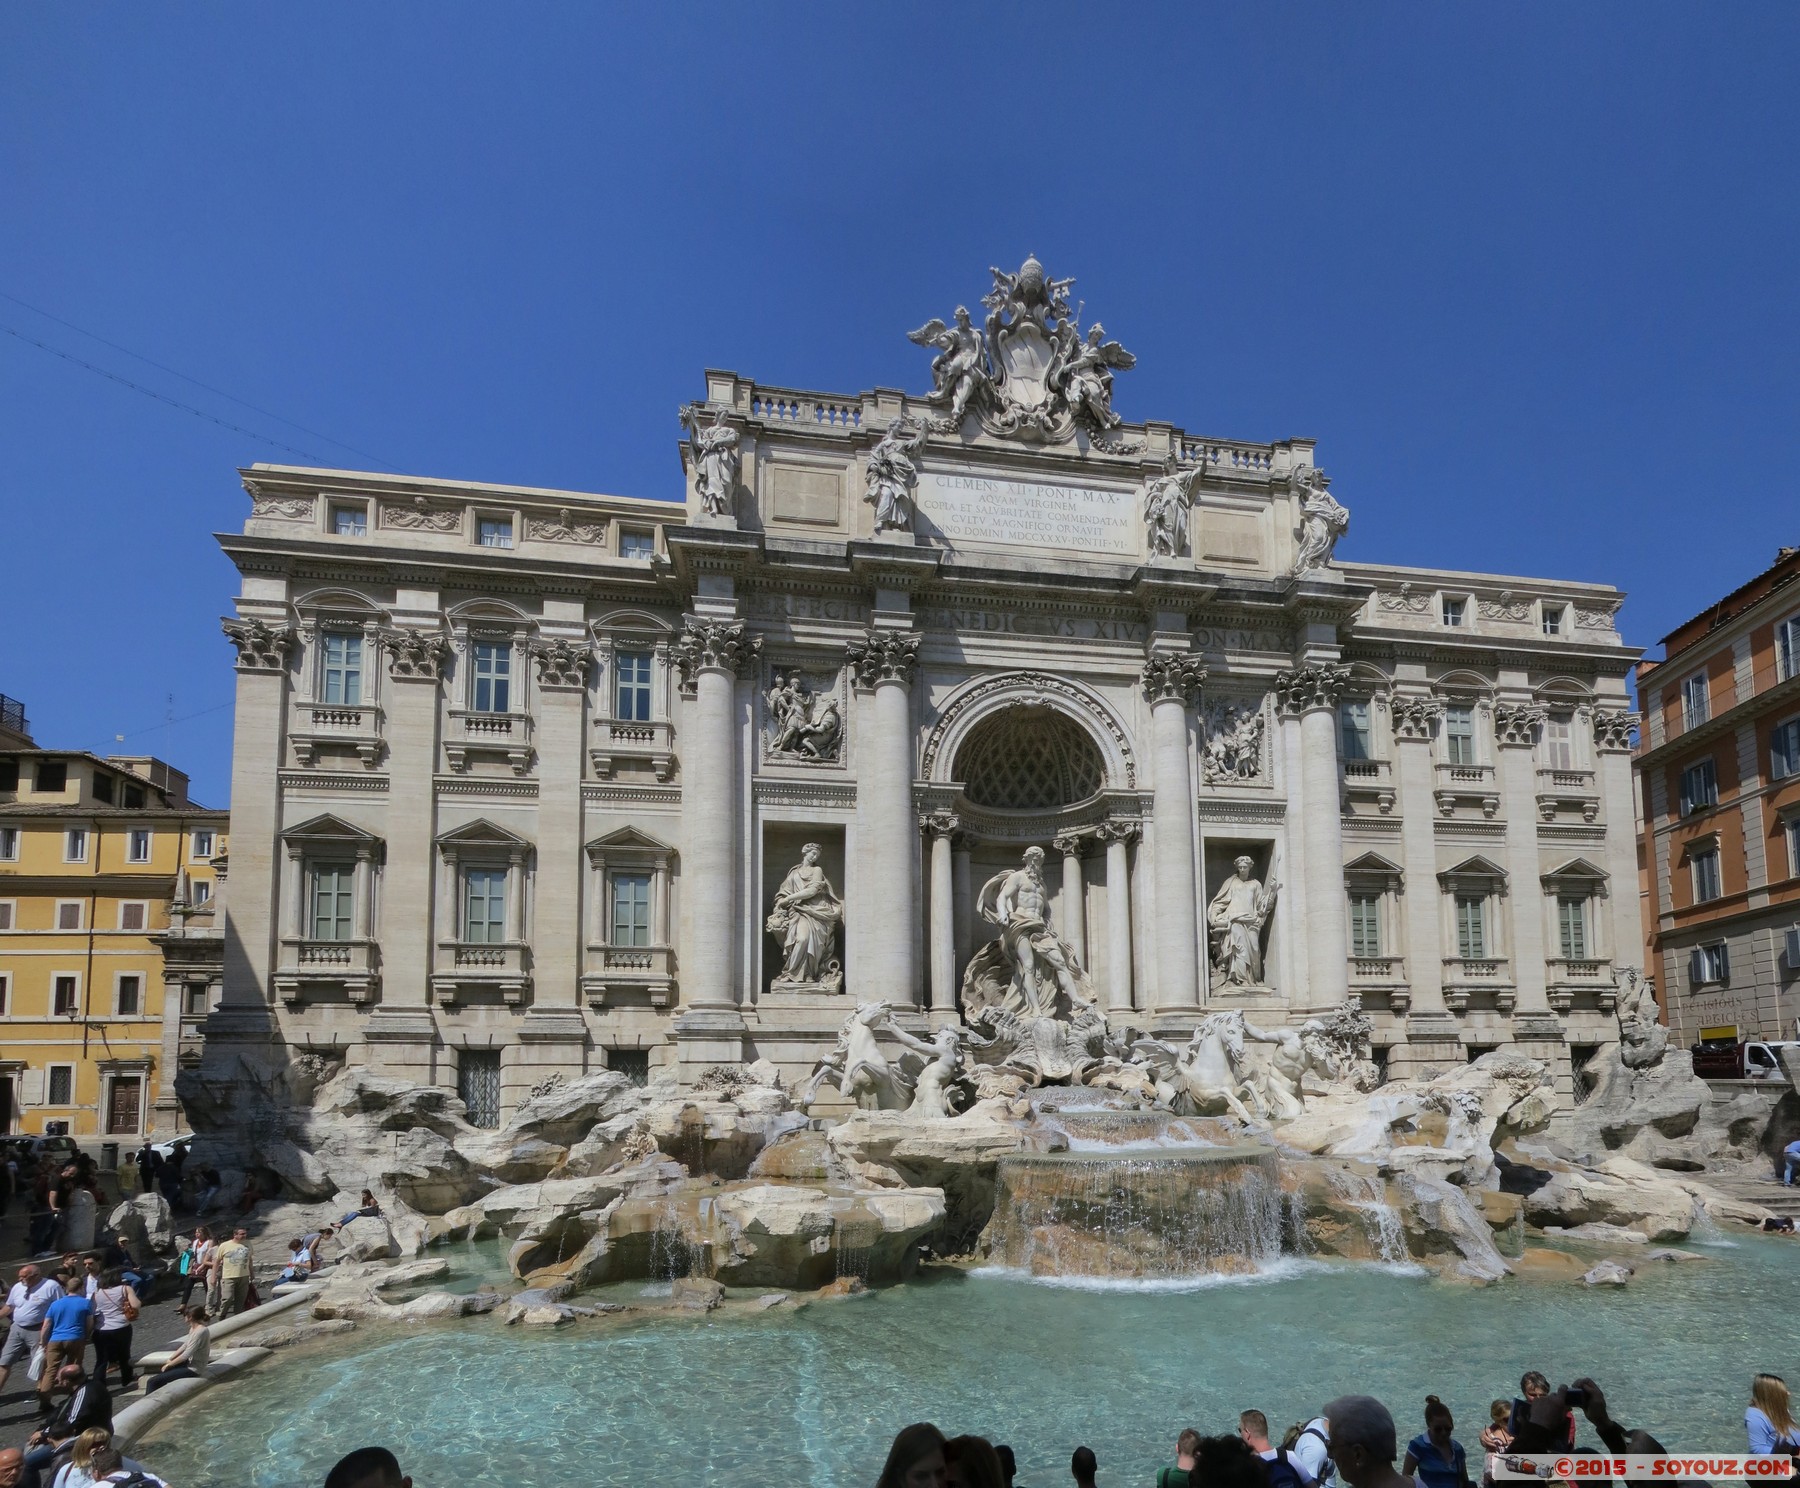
(1719, 783)
(109, 937)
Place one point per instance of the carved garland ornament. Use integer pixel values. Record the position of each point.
(293, 508)
(715, 645)
(415, 655)
(422, 516)
(1404, 602)
(561, 663)
(261, 647)
(1613, 731)
(1302, 689)
(1173, 678)
(1037, 685)
(1516, 725)
(565, 529)
(883, 656)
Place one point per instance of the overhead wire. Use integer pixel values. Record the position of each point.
(138, 387)
(185, 377)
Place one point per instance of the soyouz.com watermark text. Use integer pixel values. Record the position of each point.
(1596, 1466)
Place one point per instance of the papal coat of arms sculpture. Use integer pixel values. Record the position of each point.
(1029, 371)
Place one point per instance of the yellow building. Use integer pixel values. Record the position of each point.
(109, 900)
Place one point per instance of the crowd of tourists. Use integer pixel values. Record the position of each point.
(69, 1316)
(1352, 1443)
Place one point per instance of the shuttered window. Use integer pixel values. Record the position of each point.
(1471, 927)
(1571, 927)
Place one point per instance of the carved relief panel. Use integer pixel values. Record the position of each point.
(801, 715)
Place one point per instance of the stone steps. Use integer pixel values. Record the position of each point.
(1765, 1191)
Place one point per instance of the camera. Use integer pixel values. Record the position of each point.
(1575, 1395)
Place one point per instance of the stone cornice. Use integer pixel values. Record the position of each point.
(359, 783)
(1770, 700)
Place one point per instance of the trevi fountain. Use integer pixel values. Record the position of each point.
(802, 1097)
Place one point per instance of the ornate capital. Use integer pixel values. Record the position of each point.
(1173, 678)
(1414, 717)
(260, 647)
(940, 823)
(1516, 725)
(1302, 689)
(1613, 731)
(1116, 831)
(415, 655)
(1070, 844)
(883, 656)
(561, 663)
(715, 646)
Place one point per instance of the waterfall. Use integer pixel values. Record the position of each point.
(855, 1246)
(1136, 1214)
(672, 1253)
(1366, 1196)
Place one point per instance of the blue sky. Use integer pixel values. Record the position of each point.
(1527, 272)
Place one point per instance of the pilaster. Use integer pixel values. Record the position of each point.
(1516, 727)
(401, 1030)
(562, 680)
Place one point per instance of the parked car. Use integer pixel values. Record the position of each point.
(1747, 1059)
(58, 1149)
(166, 1150)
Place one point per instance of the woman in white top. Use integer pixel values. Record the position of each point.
(116, 1305)
(190, 1360)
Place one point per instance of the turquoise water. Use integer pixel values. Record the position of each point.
(812, 1397)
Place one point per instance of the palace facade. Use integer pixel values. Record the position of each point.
(1720, 767)
(110, 937)
(520, 774)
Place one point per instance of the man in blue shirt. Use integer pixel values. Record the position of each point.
(1790, 1160)
(68, 1324)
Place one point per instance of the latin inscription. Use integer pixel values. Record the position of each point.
(968, 507)
(806, 607)
(1008, 622)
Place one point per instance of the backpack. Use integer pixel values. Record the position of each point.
(1282, 1473)
(131, 1480)
(1328, 1468)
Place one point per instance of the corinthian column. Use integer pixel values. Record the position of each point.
(1171, 683)
(711, 655)
(941, 827)
(1074, 897)
(1310, 693)
(883, 663)
(1117, 836)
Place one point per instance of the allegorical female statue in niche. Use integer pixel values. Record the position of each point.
(1235, 920)
(806, 916)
